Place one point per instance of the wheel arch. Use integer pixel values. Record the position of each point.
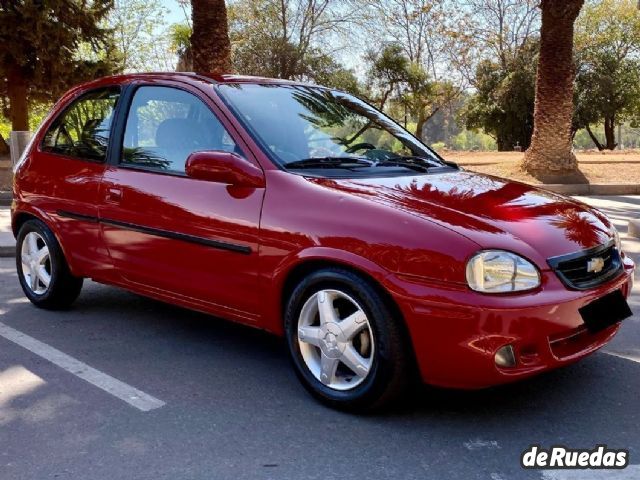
(21, 217)
(307, 266)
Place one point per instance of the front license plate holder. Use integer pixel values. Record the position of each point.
(605, 311)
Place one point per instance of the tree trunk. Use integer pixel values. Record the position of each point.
(595, 140)
(610, 133)
(210, 44)
(551, 149)
(18, 104)
(422, 119)
(4, 148)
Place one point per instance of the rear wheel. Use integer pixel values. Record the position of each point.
(347, 348)
(43, 271)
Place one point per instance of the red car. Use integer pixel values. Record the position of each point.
(306, 212)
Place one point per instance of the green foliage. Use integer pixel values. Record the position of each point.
(137, 30)
(180, 45)
(472, 141)
(608, 78)
(403, 86)
(504, 101)
(40, 44)
(280, 39)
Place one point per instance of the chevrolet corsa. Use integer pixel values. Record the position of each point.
(305, 212)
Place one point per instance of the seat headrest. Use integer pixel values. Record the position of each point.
(175, 133)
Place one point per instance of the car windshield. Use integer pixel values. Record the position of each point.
(305, 127)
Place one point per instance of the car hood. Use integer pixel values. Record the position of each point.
(493, 212)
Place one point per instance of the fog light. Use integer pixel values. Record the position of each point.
(505, 357)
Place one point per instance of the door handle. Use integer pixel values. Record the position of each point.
(114, 194)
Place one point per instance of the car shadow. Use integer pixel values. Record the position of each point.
(240, 378)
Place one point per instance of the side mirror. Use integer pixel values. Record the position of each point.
(224, 167)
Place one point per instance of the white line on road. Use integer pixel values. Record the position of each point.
(632, 472)
(115, 387)
(626, 356)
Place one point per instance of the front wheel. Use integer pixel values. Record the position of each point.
(42, 268)
(347, 348)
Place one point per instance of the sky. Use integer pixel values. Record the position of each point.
(176, 14)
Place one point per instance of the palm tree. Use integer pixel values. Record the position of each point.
(210, 44)
(551, 150)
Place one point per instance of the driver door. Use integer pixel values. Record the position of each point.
(191, 239)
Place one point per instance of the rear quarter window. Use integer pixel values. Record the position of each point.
(83, 129)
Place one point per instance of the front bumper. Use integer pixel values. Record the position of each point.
(456, 332)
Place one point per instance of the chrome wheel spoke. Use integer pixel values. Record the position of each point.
(36, 265)
(325, 308)
(32, 243)
(353, 324)
(33, 280)
(328, 367)
(44, 276)
(356, 363)
(310, 335)
(43, 255)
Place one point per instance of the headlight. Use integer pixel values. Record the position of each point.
(497, 271)
(616, 237)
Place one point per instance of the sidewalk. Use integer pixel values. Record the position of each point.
(7, 242)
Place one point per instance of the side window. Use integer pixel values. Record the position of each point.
(83, 129)
(165, 125)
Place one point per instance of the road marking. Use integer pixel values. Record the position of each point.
(479, 443)
(134, 397)
(632, 472)
(626, 356)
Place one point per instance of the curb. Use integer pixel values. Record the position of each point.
(593, 189)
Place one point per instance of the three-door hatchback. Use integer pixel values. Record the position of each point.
(304, 211)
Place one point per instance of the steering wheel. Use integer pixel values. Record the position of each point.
(360, 146)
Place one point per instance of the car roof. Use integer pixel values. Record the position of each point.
(189, 77)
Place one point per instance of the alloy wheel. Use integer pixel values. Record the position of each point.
(335, 339)
(36, 263)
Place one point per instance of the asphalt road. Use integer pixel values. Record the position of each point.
(231, 407)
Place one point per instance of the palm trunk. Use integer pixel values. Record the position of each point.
(551, 149)
(4, 148)
(18, 104)
(210, 44)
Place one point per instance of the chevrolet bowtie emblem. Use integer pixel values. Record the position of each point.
(595, 265)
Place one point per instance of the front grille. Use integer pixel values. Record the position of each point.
(573, 269)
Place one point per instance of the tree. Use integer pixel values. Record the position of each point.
(210, 44)
(135, 25)
(551, 149)
(180, 35)
(608, 78)
(288, 39)
(503, 102)
(4, 147)
(40, 44)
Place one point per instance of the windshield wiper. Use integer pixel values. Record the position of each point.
(420, 164)
(330, 162)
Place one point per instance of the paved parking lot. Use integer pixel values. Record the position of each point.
(229, 406)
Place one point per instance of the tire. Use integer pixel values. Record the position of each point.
(54, 287)
(383, 360)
